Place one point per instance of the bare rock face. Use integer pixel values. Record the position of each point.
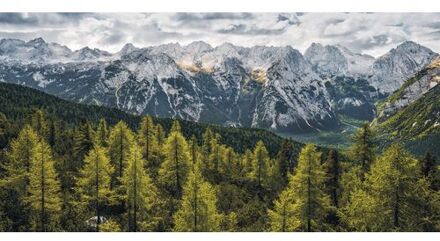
(264, 87)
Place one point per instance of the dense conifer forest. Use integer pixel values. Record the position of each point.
(72, 167)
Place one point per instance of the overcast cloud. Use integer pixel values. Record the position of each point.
(370, 33)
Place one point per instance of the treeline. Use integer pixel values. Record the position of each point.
(116, 178)
(18, 103)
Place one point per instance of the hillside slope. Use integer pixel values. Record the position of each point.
(17, 103)
(412, 113)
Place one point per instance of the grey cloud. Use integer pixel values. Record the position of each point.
(289, 20)
(241, 29)
(18, 19)
(211, 16)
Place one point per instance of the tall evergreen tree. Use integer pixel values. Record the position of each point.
(198, 211)
(303, 205)
(120, 141)
(174, 169)
(285, 161)
(283, 217)
(430, 170)
(363, 149)
(140, 194)
(16, 178)
(333, 174)
(44, 189)
(391, 197)
(40, 124)
(159, 135)
(82, 142)
(94, 182)
(247, 163)
(148, 144)
(5, 128)
(102, 133)
(261, 165)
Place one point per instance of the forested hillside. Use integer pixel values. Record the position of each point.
(70, 167)
(18, 103)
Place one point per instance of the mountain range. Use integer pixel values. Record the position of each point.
(276, 88)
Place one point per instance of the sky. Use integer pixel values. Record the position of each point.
(368, 33)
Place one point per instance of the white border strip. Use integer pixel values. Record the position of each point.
(220, 5)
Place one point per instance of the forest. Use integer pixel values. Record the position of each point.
(103, 172)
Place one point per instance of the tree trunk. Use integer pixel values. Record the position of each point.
(176, 159)
(43, 229)
(98, 221)
(135, 196)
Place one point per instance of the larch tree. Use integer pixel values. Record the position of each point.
(261, 165)
(363, 148)
(44, 189)
(333, 172)
(285, 161)
(120, 141)
(392, 196)
(141, 195)
(214, 156)
(429, 169)
(231, 165)
(159, 135)
(148, 144)
(198, 207)
(40, 124)
(247, 163)
(283, 217)
(94, 182)
(174, 169)
(82, 142)
(333, 176)
(304, 204)
(16, 177)
(101, 133)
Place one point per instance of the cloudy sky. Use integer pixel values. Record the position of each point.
(370, 33)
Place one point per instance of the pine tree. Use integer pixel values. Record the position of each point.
(214, 157)
(140, 194)
(231, 165)
(261, 165)
(101, 134)
(5, 128)
(159, 135)
(40, 124)
(94, 182)
(198, 211)
(430, 171)
(303, 205)
(16, 178)
(194, 150)
(333, 173)
(120, 141)
(364, 147)
(174, 169)
(393, 197)
(82, 142)
(333, 184)
(284, 162)
(148, 144)
(44, 189)
(283, 218)
(247, 163)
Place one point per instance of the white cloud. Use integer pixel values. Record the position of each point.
(371, 33)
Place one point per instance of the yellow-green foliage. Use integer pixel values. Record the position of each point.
(198, 211)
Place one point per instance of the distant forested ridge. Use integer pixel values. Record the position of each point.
(72, 167)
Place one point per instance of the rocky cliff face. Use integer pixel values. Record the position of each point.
(266, 87)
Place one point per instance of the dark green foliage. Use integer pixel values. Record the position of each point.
(146, 178)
